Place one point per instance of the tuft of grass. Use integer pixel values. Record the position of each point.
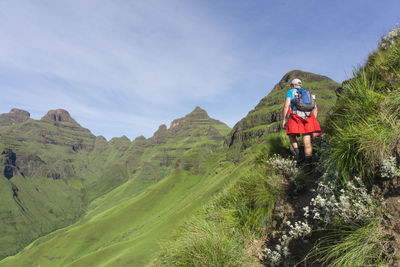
(352, 246)
(205, 243)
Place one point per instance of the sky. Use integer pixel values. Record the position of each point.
(125, 67)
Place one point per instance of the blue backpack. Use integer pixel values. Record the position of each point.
(304, 100)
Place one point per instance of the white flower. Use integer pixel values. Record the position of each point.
(389, 168)
(306, 211)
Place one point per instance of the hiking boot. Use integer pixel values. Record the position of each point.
(308, 166)
(299, 160)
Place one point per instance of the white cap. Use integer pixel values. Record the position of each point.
(296, 82)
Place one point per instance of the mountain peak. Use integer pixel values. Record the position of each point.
(14, 116)
(20, 112)
(58, 115)
(161, 129)
(198, 113)
(305, 77)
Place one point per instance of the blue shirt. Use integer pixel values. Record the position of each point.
(291, 94)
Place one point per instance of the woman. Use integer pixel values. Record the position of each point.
(300, 122)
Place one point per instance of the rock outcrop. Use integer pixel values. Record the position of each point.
(140, 138)
(21, 113)
(58, 115)
(14, 116)
(160, 136)
(7, 160)
(197, 114)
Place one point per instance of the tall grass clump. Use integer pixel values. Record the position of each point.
(246, 205)
(351, 246)
(205, 243)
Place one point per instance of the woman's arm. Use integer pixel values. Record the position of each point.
(315, 111)
(285, 111)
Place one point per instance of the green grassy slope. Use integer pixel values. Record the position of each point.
(41, 189)
(266, 117)
(60, 167)
(186, 145)
(140, 191)
(128, 233)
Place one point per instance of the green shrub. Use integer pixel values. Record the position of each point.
(384, 63)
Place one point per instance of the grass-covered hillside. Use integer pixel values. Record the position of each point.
(343, 211)
(266, 117)
(133, 194)
(41, 187)
(53, 168)
(125, 225)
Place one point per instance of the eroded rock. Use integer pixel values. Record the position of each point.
(8, 161)
(58, 115)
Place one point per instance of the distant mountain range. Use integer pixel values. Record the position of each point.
(119, 197)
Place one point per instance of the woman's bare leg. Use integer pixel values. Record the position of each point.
(307, 145)
(293, 141)
(295, 145)
(307, 151)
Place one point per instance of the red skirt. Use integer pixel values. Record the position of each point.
(298, 125)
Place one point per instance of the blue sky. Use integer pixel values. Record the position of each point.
(125, 67)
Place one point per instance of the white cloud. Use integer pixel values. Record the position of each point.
(147, 50)
(113, 54)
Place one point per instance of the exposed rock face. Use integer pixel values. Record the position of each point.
(58, 115)
(20, 112)
(177, 122)
(161, 135)
(162, 128)
(266, 117)
(214, 134)
(14, 116)
(140, 138)
(397, 150)
(8, 158)
(197, 113)
(392, 227)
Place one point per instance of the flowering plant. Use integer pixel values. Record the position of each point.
(389, 39)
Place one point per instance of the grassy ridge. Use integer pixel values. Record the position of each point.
(129, 232)
(45, 191)
(61, 167)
